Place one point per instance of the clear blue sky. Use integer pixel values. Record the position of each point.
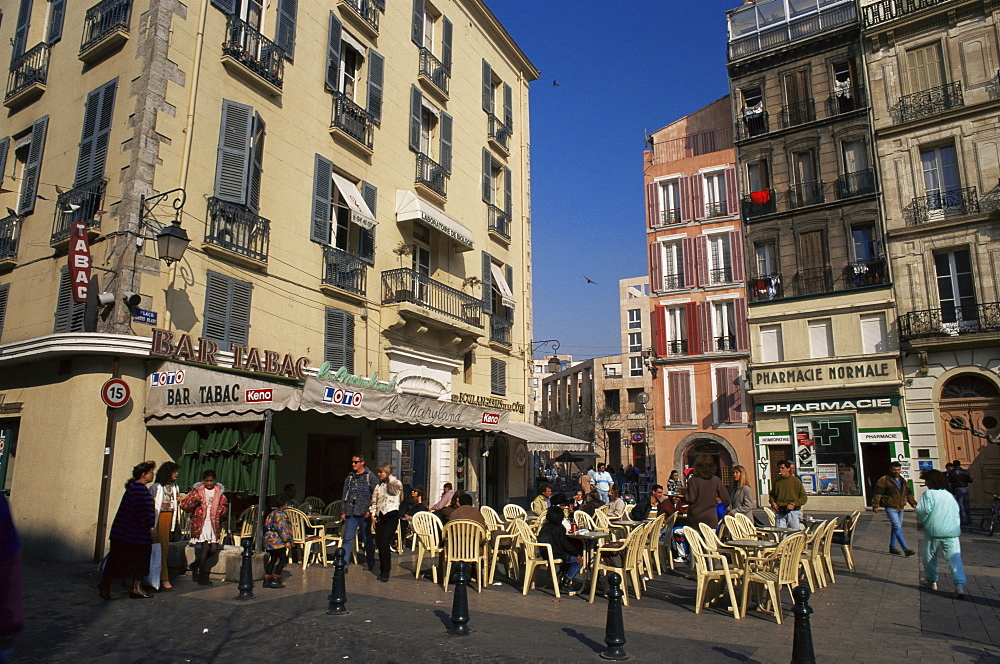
(624, 68)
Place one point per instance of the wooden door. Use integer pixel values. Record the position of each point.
(978, 455)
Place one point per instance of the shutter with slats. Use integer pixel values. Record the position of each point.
(508, 107)
(417, 28)
(694, 334)
(684, 188)
(446, 123)
(742, 328)
(239, 312)
(446, 36)
(96, 134)
(227, 6)
(4, 148)
(655, 267)
(498, 377)
(376, 80)
(659, 323)
(416, 105)
(4, 296)
(29, 185)
(487, 176)
(652, 205)
(728, 388)
(256, 163)
(705, 323)
(487, 87)
(284, 35)
(735, 396)
(736, 255)
(688, 260)
(509, 274)
(701, 259)
(56, 16)
(338, 339)
(21, 31)
(333, 53)
(380, 4)
(322, 200)
(214, 324)
(69, 315)
(679, 384)
(732, 191)
(487, 283)
(366, 244)
(697, 196)
(234, 152)
(508, 195)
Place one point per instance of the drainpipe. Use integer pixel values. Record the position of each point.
(193, 95)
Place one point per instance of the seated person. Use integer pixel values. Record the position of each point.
(554, 534)
(578, 500)
(616, 506)
(542, 501)
(445, 512)
(593, 502)
(446, 497)
(414, 505)
(466, 511)
(648, 504)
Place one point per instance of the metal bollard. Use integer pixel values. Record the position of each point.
(614, 634)
(460, 605)
(802, 643)
(246, 571)
(338, 593)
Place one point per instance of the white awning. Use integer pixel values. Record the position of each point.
(543, 440)
(409, 207)
(501, 283)
(355, 44)
(360, 214)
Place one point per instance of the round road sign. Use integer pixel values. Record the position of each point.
(115, 393)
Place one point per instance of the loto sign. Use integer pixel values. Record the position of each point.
(80, 261)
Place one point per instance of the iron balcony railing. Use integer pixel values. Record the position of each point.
(10, 229)
(798, 113)
(238, 229)
(753, 123)
(434, 70)
(355, 121)
(254, 51)
(765, 288)
(851, 98)
(431, 174)
(677, 347)
(758, 203)
(104, 18)
(499, 221)
(344, 270)
(928, 102)
(499, 132)
(720, 275)
(768, 37)
(78, 204)
(407, 285)
(28, 69)
(725, 342)
(671, 216)
(805, 193)
(888, 10)
(950, 321)
(673, 281)
(716, 209)
(937, 205)
(861, 274)
(500, 328)
(859, 183)
(365, 9)
(814, 281)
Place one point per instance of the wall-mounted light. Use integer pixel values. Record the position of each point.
(171, 243)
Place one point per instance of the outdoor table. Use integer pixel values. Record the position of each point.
(628, 523)
(811, 523)
(751, 546)
(779, 532)
(590, 538)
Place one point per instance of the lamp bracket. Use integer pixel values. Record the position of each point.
(147, 206)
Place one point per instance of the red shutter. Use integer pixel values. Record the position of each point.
(698, 196)
(705, 321)
(722, 394)
(701, 259)
(732, 191)
(679, 384)
(729, 397)
(691, 323)
(659, 324)
(652, 205)
(736, 255)
(655, 268)
(742, 329)
(688, 261)
(684, 185)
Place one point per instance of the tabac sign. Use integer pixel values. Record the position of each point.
(247, 358)
(79, 261)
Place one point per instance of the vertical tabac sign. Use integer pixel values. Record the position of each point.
(79, 261)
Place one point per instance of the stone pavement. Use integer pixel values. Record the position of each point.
(873, 614)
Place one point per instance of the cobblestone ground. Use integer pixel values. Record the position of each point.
(873, 614)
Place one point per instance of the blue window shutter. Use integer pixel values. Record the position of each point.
(376, 76)
(70, 315)
(417, 30)
(333, 53)
(227, 6)
(498, 377)
(446, 36)
(284, 35)
(487, 283)
(322, 200)
(96, 133)
(380, 4)
(4, 296)
(338, 339)
(29, 187)
(21, 31)
(234, 152)
(416, 103)
(508, 198)
(4, 148)
(56, 17)
(508, 106)
(256, 163)
(487, 176)
(366, 248)
(487, 86)
(445, 153)
(509, 273)
(239, 312)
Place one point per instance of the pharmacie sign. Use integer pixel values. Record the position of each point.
(247, 358)
(822, 373)
(823, 406)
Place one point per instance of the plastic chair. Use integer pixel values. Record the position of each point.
(713, 544)
(536, 554)
(312, 504)
(512, 511)
(652, 552)
(769, 513)
(333, 508)
(427, 527)
(602, 522)
(825, 558)
(583, 520)
(493, 520)
(247, 525)
(847, 537)
(306, 535)
(668, 529)
(503, 542)
(711, 566)
(810, 561)
(779, 568)
(623, 557)
(464, 541)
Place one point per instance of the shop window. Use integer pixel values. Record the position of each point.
(827, 455)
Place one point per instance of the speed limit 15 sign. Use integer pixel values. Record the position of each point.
(115, 393)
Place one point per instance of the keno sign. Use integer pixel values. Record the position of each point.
(260, 396)
(79, 261)
(491, 418)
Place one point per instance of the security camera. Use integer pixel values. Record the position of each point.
(105, 299)
(132, 299)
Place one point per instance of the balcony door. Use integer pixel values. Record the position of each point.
(956, 290)
(812, 264)
(926, 67)
(941, 181)
(421, 261)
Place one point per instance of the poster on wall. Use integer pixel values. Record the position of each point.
(804, 450)
(808, 483)
(827, 477)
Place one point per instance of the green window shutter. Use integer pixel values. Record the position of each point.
(447, 32)
(284, 35)
(508, 106)
(20, 42)
(56, 16)
(4, 148)
(96, 134)
(69, 316)
(487, 283)
(256, 163)
(416, 103)
(338, 339)
(487, 86)
(445, 153)
(322, 200)
(498, 377)
(4, 296)
(29, 187)
(417, 28)
(376, 76)
(508, 199)
(487, 176)
(366, 248)
(333, 53)
(227, 6)
(234, 152)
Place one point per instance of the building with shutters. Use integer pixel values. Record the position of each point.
(700, 343)
(353, 178)
(935, 91)
(824, 376)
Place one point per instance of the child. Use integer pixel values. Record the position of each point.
(938, 511)
(277, 541)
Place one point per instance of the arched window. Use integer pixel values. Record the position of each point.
(968, 386)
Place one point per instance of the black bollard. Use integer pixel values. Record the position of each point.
(338, 593)
(802, 644)
(460, 605)
(614, 634)
(246, 571)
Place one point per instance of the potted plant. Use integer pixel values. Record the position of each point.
(404, 290)
(472, 311)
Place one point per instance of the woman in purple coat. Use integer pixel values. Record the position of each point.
(704, 491)
(132, 534)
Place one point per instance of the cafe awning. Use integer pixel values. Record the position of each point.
(543, 440)
(506, 296)
(410, 207)
(360, 212)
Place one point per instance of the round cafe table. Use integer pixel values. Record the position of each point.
(779, 532)
(590, 539)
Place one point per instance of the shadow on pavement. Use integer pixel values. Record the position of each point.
(584, 639)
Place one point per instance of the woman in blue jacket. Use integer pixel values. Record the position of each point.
(938, 512)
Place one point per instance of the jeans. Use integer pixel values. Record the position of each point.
(603, 495)
(962, 496)
(791, 519)
(574, 566)
(896, 534)
(952, 553)
(351, 525)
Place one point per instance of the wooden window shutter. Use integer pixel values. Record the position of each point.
(416, 106)
(688, 260)
(487, 86)
(96, 134)
(417, 27)
(722, 395)
(284, 35)
(376, 80)
(736, 255)
(256, 163)
(4, 148)
(446, 123)
(498, 377)
(234, 152)
(447, 32)
(742, 329)
(694, 334)
(659, 323)
(508, 107)
(227, 310)
(227, 6)
(33, 167)
(652, 204)
(4, 297)
(684, 186)
(487, 176)
(509, 274)
(508, 194)
(333, 53)
(70, 316)
(21, 31)
(487, 283)
(701, 259)
(380, 4)
(655, 267)
(366, 248)
(705, 323)
(322, 200)
(729, 398)
(679, 384)
(732, 191)
(338, 339)
(239, 312)
(697, 196)
(56, 16)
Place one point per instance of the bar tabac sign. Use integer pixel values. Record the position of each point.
(79, 261)
(247, 358)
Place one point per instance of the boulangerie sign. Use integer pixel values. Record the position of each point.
(79, 261)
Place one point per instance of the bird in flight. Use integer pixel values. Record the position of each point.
(589, 280)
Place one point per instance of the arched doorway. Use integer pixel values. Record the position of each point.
(970, 408)
(721, 450)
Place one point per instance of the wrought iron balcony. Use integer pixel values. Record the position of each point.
(753, 123)
(861, 274)
(806, 193)
(407, 285)
(10, 230)
(938, 205)
(814, 281)
(758, 203)
(499, 132)
(365, 10)
(799, 113)
(103, 19)
(726, 342)
(716, 209)
(238, 229)
(434, 70)
(888, 10)
(671, 216)
(928, 102)
(499, 221)
(765, 288)
(432, 175)
(859, 183)
(851, 98)
(78, 204)
(27, 70)
(254, 51)
(677, 347)
(950, 321)
(673, 281)
(352, 120)
(343, 270)
(500, 328)
(721, 275)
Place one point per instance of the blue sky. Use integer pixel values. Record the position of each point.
(624, 68)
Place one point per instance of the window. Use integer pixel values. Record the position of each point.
(611, 370)
(814, 273)
(858, 177)
(635, 366)
(828, 456)
(724, 325)
(676, 331)
(855, 156)
(864, 243)
(338, 339)
(715, 194)
(754, 116)
(758, 175)
(498, 105)
(821, 338)
(766, 258)
(497, 194)
(350, 65)
(498, 298)
(468, 362)
(70, 316)
(956, 288)
(498, 377)
(343, 217)
(679, 397)
(432, 31)
(771, 345)
(670, 202)
(635, 396)
(799, 107)
(430, 133)
(613, 401)
(227, 310)
(806, 189)
(673, 265)
(845, 93)
(4, 297)
(346, 57)
(925, 67)
(240, 156)
(874, 334)
(635, 342)
(729, 397)
(720, 257)
(941, 181)
(634, 319)
(28, 150)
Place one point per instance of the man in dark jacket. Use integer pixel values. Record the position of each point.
(357, 500)
(553, 533)
(893, 491)
(960, 479)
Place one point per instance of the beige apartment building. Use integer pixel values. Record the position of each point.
(633, 441)
(353, 179)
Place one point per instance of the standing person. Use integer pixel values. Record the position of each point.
(603, 482)
(960, 481)
(894, 492)
(385, 510)
(277, 541)
(446, 496)
(787, 496)
(541, 503)
(705, 490)
(741, 496)
(674, 484)
(207, 503)
(359, 485)
(585, 483)
(165, 492)
(553, 533)
(939, 514)
(132, 534)
(11, 577)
